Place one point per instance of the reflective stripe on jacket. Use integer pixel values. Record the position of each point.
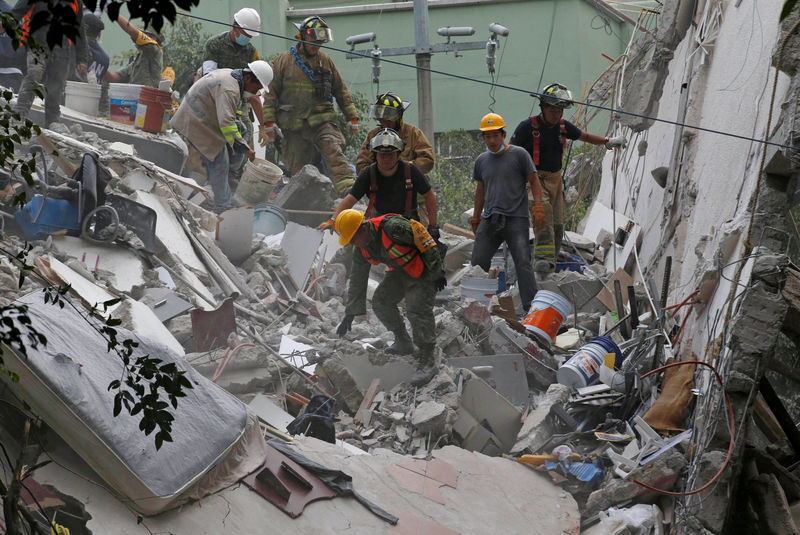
(406, 257)
(207, 115)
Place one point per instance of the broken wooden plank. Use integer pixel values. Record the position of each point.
(458, 231)
(362, 415)
(66, 166)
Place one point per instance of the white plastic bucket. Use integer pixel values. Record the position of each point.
(481, 290)
(583, 369)
(257, 182)
(122, 99)
(82, 97)
(548, 310)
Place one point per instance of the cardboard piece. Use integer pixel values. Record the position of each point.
(607, 297)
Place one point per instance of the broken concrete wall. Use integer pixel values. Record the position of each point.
(700, 219)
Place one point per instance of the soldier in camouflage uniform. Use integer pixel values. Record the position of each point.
(301, 99)
(233, 50)
(146, 67)
(416, 273)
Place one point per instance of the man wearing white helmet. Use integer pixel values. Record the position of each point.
(232, 49)
(207, 120)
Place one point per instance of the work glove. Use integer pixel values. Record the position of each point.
(539, 218)
(439, 284)
(353, 125)
(240, 146)
(345, 325)
(327, 225)
(433, 230)
(474, 222)
(267, 133)
(618, 142)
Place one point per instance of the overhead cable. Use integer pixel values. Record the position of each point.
(511, 88)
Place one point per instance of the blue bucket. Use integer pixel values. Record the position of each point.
(610, 347)
(270, 219)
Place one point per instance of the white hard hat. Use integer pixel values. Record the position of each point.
(248, 19)
(263, 72)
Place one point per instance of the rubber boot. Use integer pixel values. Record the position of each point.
(426, 367)
(402, 343)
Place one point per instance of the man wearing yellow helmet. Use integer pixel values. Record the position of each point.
(545, 136)
(500, 212)
(415, 273)
(300, 101)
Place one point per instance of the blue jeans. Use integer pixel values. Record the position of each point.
(218, 170)
(497, 229)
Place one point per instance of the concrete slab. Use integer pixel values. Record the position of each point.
(391, 373)
(270, 413)
(144, 322)
(169, 230)
(126, 266)
(505, 373)
(488, 494)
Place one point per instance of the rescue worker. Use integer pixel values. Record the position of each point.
(392, 186)
(146, 66)
(51, 64)
(233, 50)
(500, 212)
(207, 120)
(415, 273)
(300, 101)
(388, 111)
(545, 136)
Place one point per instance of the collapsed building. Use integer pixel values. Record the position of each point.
(683, 312)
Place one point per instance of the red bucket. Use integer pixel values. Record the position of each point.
(152, 112)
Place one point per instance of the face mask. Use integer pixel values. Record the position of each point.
(242, 40)
(501, 149)
(248, 95)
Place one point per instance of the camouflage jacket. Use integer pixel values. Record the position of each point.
(207, 114)
(226, 54)
(291, 101)
(418, 149)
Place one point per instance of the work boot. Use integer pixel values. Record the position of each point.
(426, 367)
(543, 268)
(402, 343)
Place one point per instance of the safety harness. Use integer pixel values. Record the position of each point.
(406, 257)
(562, 137)
(324, 84)
(373, 188)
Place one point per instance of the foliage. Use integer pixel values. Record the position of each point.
(787, 8)
(451, 177)
(183, 50)
(353, 142)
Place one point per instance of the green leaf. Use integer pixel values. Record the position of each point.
(787, 9)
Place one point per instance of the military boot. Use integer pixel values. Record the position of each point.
(426, 367)
(402, 343)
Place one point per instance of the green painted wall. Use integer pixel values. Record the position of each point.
(580, 36)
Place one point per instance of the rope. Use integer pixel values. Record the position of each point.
(515, 89)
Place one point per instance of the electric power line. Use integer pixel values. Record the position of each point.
(516, 89)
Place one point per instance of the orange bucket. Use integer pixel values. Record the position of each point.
(548, 310)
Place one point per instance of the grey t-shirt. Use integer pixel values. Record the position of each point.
(504, 178)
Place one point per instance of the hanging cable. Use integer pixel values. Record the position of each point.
(518, 89)
(546, 53)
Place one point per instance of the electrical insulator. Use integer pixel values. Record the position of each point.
(491, 52)
(376, 64)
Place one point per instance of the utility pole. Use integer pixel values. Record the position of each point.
(422, 52)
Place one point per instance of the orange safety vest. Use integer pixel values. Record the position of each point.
(562, 137)
(26, 21)
(403, 256)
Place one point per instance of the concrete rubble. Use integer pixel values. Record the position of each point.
(683, 323)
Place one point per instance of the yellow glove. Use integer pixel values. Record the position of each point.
(266, 134)
(539, 218)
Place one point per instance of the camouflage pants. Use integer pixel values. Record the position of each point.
(548, 240)
(53, 67)
(298, 150)
(419, 295)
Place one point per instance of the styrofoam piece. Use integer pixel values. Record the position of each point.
(169, 230)
(125, 266)
(598, 218)
(301, 244)
(234, 234)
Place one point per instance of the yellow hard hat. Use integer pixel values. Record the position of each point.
(347, 223)
(168, 74)
(492, 121)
